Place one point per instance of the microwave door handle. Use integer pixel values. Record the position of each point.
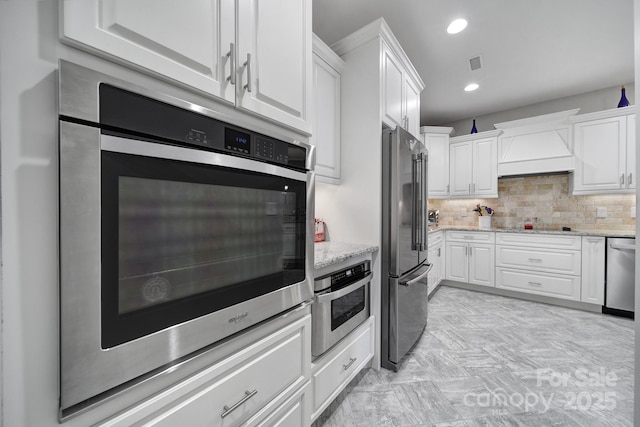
(330, 296)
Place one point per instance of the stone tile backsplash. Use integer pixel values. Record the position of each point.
(547, 202)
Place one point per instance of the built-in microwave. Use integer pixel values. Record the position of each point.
(177, 230)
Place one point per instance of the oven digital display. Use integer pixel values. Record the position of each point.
(237, 141)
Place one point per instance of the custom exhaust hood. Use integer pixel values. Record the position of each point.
(536, 145)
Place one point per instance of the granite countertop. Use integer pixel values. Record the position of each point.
(573, 232)
(327, 253)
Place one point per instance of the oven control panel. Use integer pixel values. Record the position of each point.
(124, 112)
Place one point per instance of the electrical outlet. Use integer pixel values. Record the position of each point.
(463, 212)
(633, 212)
(601, 212)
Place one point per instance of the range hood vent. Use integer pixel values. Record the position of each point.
(536, 145)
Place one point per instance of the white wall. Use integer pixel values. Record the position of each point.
(603, 99)
(28, 134)
(636, 406)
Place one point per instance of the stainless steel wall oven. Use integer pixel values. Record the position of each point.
(176, 230)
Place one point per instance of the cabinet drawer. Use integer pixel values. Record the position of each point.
(557, 286)
(335, 369)
(272, 367)
(551, 241)
(435, 237)
(553, 261)
(471, 236)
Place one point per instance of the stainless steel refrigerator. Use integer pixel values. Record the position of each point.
(404, 244)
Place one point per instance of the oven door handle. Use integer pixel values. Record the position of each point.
(330, 296)
(412, 282)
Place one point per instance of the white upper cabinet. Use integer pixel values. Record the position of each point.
(401, 89)
(327, 66)
(436, 139)
(604, 145)
(412, 106)
(265, 69)
(473, 165)
(274, 59)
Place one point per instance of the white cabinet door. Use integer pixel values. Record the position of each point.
(461, 168)
(392, 89)
(274, 56)
(485, 167)
(326, 112)
(600, 147)
(438, 146)
(631, 153)
(188, 43)
(482, 264)
(457, 262)
(593, 270)
(412, 107)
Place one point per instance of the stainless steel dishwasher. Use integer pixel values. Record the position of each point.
(620, 285)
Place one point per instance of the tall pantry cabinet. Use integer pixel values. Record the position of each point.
(364, 102)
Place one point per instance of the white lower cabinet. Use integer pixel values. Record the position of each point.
(470, 257)
(552, 285)
(548, 265)
(262, 385)
(593, 270)
(332, 371)
(435, 255)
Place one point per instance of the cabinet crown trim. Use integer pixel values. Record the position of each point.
(378, 29)
(606, 114)
(545, 118)
(475, 136)
(327, 54)
(436, 129)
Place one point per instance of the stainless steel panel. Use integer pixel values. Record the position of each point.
(79, 90)
(404, 198)
(620, 284)
(408, 307)
(323, 338)
(86, 370)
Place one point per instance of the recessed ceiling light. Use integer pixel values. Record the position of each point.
(471, 87)
(456, 26)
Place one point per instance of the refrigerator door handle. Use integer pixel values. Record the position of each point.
(415, 280)
(423, 203)
(414, 203)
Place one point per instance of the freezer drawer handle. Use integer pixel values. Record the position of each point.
(247, 395)
(535, 260)
(535, 283)
(622, 247)
(412, 282)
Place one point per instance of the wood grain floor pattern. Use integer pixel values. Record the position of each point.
(487, 360)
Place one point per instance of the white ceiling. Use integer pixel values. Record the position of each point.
(532, 50)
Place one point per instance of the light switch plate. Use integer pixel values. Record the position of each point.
(601, 212)
(463, 212)
(633, 212)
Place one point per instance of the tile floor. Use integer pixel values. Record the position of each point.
(487, 360)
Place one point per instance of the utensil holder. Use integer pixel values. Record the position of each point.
(484, 222)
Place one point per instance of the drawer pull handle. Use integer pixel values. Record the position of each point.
(535, 260)
(247, 395)
(351, 362)
(535, 284)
